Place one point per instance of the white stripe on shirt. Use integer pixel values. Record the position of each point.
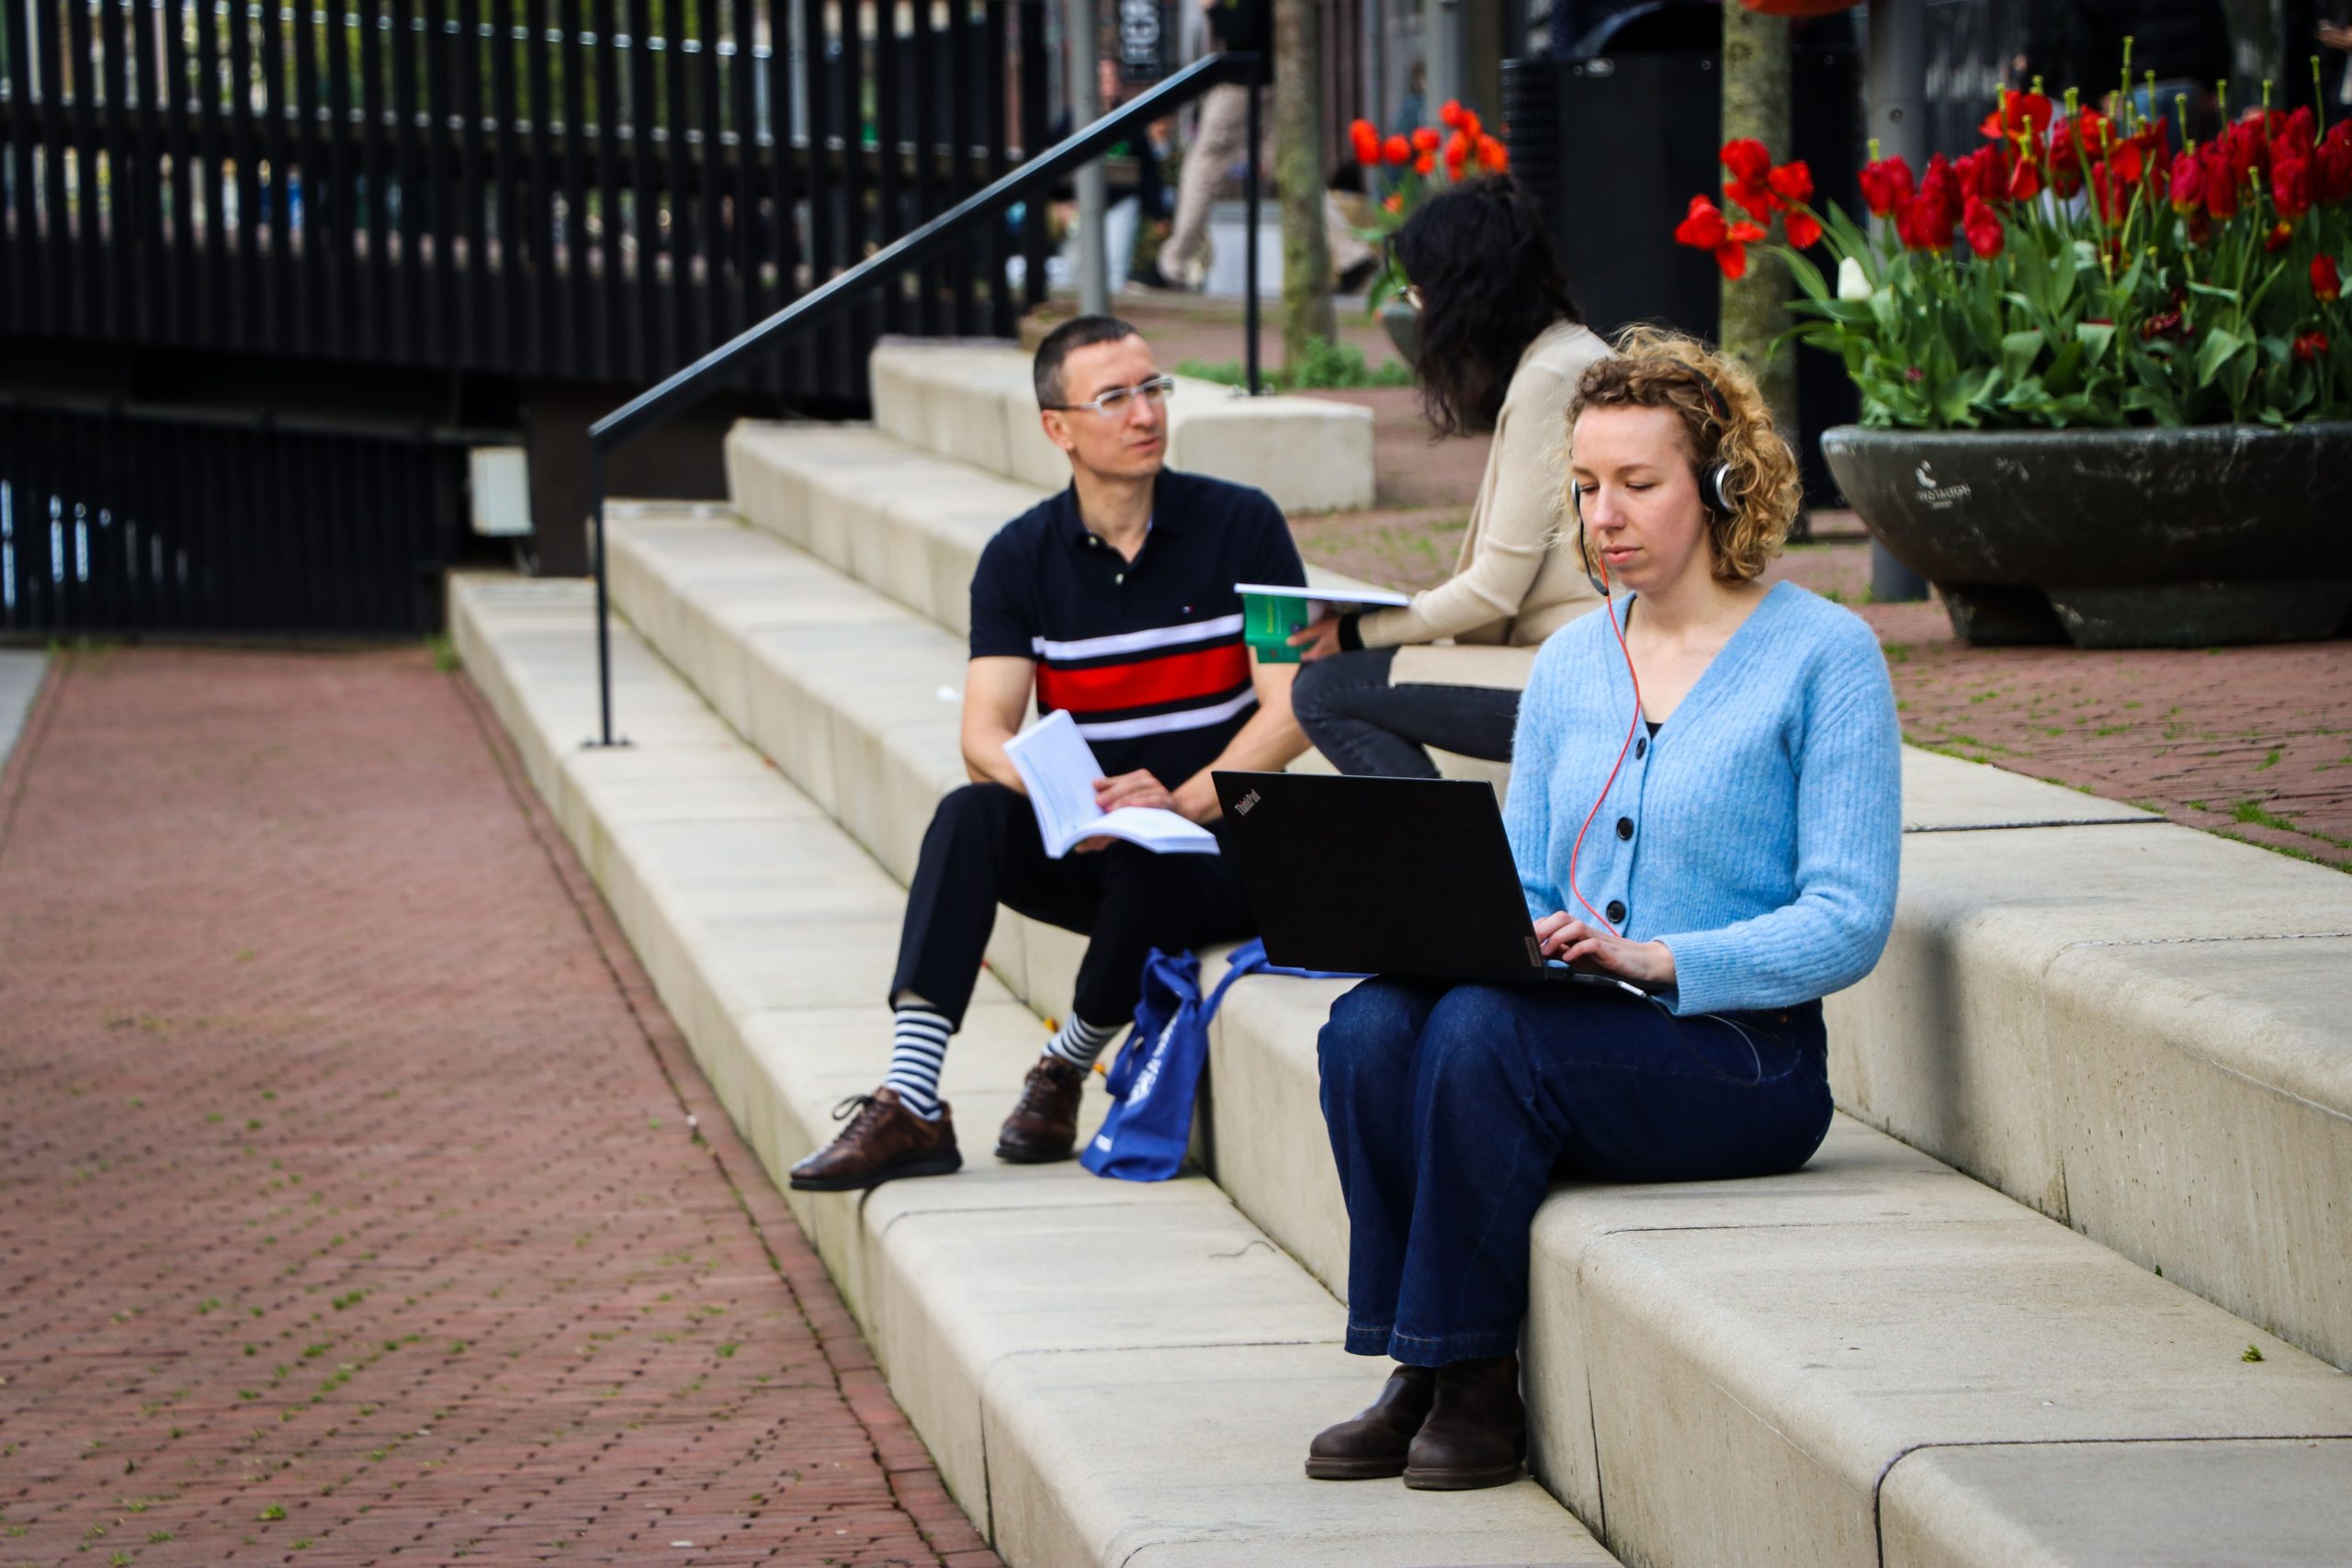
(1136, 642)
(1162, 723)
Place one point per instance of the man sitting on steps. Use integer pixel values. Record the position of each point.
(1114, 600)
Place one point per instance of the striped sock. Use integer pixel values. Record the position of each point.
(1080, 1042)
(918, 1049)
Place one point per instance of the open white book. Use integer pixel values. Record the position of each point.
(1321, 600)
(1060, 769)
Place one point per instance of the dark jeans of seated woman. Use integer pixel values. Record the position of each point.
(1366, 725)
(1451, 1109)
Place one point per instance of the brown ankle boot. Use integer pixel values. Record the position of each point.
(1477, 1431)
(883, 1140)
(1044, 1126)
(1371, 1444)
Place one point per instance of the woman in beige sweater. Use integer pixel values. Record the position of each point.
(1502, 348)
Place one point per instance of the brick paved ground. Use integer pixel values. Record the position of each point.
(350, 1210)
(2252, 742)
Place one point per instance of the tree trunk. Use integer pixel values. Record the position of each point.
(1299, 173)
(1756, 104)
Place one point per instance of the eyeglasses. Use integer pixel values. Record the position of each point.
(1411, 295)
(1114, 401)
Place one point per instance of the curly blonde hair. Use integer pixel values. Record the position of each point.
(1652, 367)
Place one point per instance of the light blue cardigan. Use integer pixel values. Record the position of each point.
(1765, 819)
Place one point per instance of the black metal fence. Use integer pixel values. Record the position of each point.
(112, 524)
(591, 189)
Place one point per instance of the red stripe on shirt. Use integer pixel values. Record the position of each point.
(1209, 672)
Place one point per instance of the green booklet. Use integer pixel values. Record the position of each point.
(1271, 614)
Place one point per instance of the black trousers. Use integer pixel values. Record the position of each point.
(983, 850)
(1366, 725)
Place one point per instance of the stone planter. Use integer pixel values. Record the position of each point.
(2115, 539)
(1402, 325)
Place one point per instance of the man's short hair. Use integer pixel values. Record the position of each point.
(1079, 332)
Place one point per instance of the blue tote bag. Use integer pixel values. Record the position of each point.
(1158, 1073)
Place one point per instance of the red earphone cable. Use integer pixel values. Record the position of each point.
(1609, 609)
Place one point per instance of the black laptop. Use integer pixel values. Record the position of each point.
(1409, 877)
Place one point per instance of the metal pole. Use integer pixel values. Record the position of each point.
(1249, 231)
(604, 609)
(1897, 117)
(1085, 108)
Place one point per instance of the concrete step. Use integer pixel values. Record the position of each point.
(1972, 1318)
(975, 402)
(903, 519)
(1106, 1372)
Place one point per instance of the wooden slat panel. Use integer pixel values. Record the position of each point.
(378, 291)
(20, 284)
(709, 284)
(274, 271)
(674, 116)
(542, 285)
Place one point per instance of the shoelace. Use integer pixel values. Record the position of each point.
(857, 1106)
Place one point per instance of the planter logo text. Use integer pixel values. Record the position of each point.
(1938, 497)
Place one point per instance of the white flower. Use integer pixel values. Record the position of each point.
(1851, 283)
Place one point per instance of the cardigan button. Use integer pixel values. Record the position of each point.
(1616, 911)
(1625, 826)
(1641, 746)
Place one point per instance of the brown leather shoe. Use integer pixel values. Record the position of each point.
(1370, 1445)
(1044, 1126)
(1476, 1432)
(883, 1141)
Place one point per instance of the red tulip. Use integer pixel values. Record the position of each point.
(2188, 185)
(2331, 165)
(2025, 175)
(1792, 182)
(1457, 152)
(1398, 150)
(2281, 235)
(2221, 179)
(1982, 226)
(1749, 164)
(1451, 115)
(2020, 113)
(1886, 185)
(2327, 284)
(1424, 139)
(1758, 200)
(1703, 228)
(1424, 164)
(2311, 346)
(1981, 174)
(1732, 256)
(1492, 156)
(1472, 126)
(1925, 222)
(1366, 139)
(2290, 185)
(1804, 230)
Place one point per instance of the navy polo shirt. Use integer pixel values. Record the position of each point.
(1146, 655)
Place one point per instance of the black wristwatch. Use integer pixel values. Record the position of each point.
(1351, 639)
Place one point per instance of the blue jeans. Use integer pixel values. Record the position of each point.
(1452, 1108)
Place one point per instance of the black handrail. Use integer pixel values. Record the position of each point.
(687, 386)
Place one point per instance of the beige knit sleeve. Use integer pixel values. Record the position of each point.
(1516, 527)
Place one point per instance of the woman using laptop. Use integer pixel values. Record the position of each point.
(1501, 346)
(1705, 800)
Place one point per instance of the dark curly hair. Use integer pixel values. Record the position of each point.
(1490, 282)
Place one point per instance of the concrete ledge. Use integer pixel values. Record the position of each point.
(2141, 1030)
(976, 403)
(1106, 1373)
